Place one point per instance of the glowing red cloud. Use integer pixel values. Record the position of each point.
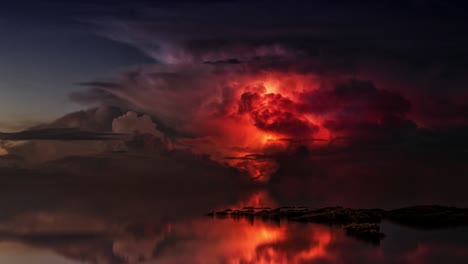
(277, 114)
(238, 111)
(259, 110)
(252, 114)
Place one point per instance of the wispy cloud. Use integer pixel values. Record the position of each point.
(63, 134)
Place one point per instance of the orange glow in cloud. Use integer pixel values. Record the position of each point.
(251, 115)
(271, 86)
(275, 98)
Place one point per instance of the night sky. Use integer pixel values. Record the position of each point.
(47, 50)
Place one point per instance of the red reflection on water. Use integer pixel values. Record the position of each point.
(257, 199)
(232, 241)
(313, 247)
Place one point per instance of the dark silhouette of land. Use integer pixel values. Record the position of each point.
(363, 224)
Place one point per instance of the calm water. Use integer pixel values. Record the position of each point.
(155, 229)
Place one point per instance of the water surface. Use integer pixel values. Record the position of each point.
(147, 231)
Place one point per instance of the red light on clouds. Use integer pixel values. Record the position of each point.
(264, 109)
(258, 114)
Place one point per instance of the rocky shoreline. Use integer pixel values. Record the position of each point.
(363, 224)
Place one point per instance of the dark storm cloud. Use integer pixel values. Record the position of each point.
(351, 29)
(442, 111)
(356, 97)
(98, 119)
(410, 49)
(418, 166)
(96, 95)
(64, 134)
(358, 108)
(227, 61)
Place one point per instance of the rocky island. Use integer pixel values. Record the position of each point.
(363, 224)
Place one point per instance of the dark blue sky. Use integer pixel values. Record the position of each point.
(45, 51)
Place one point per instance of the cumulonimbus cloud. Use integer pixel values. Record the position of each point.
(131, 122)
(249, 93)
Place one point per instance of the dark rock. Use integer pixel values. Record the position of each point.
(290, 210)
(263, 212)
(340, 215)
(235, 213)
(222, 213)
(243, 212)
(359, 223)
(291, 213)
(369, 232)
